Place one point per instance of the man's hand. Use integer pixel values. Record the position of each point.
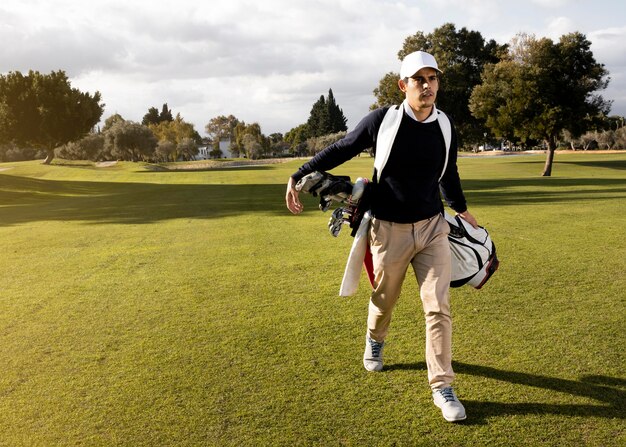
(292, 199)
(467, 217)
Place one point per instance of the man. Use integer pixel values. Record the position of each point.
(407, 226)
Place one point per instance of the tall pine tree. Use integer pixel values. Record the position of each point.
(336, 118)
(166, 114)
(318, 118)
(326, 117)
(154, 117)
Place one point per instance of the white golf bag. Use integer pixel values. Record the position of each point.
(473, 252)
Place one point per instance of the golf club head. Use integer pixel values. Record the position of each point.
(336, 221)
(325, 203)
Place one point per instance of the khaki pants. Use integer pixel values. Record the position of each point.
(425, 246)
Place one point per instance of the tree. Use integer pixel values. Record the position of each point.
(298, 134)
(187, 148)
(44, 111)
(90, 147)
(588, 141)
(236, 142)
(154, 117)
(461, 55)
(165, 151)
(225, 127)
(318, 122)
(11, 152)
(541, 89)
(297, 138)
(387, 93)
(620, 138)
(254, 130)
(243, 136)
(606, 138)
(166, 114)
(110, 121)
(317, 144)
(326, 117)
(221, 127)
(127, 140)
(336, 119)
(278, 145)
(178, 131)
(216, 152)
(165, 130)
(252, 146)
(614, 122)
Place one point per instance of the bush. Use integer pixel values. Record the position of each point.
(89, 148)
(317, 144)
(11, 152)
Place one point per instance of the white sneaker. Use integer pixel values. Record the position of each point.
(373, 356)
(452, 409)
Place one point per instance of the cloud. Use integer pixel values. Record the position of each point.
(609, 48)
(474, 14)
(551, 4)
(59, 45)
(265, 61)
(609, 45)
(262, 61)
(558, 27)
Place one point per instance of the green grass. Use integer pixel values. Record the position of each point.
(143, 308)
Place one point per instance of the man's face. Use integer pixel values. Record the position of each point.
(421, 89)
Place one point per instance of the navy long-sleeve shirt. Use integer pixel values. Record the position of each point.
(408, 189)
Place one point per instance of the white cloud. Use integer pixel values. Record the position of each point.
(558, 27)
(262, 61)
(475, 13)
(609, 45)
(551, 4)
(265, 61)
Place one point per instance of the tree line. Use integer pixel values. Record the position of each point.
(528, 92)
(326, 124)
(244, 140)
(154, 140)
(42, 116)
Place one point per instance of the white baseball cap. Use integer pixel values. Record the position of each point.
(414, 62)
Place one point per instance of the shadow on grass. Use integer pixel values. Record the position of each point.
(151, 169)
(609, 164)
(29, 200)
(25, 199)
(546, 190)
(600, 388)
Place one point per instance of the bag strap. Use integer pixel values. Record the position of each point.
(446, 130)
(387, 134)
(384, 140)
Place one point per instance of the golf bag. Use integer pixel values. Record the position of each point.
(473, 252)
(474, 258)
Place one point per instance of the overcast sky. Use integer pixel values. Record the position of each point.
(268, 61)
